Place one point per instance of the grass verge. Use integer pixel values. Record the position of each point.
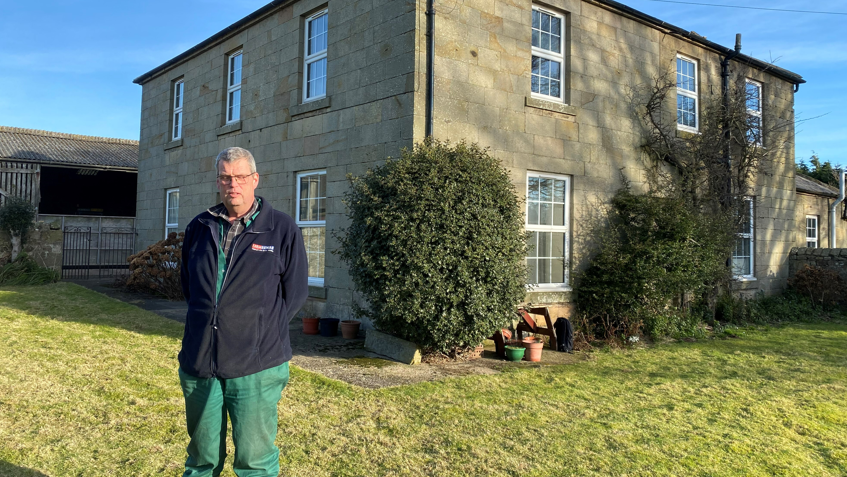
(89, 387)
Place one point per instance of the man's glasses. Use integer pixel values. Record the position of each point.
(226, 180)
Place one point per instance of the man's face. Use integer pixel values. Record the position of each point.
(233, 193)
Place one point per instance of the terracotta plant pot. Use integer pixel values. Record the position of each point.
(475, 353)
(533, 349)
(514, 353)
(310, 326)
(350, 329)
(329, 326)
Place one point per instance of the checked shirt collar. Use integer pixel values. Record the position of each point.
(232, 229)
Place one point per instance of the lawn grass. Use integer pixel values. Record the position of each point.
(89, 387)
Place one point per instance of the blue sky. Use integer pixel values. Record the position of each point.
(68, 65)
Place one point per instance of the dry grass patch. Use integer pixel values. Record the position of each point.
(88, 387)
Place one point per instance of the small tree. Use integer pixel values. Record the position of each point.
(16, 218)
(822, 171)
(436, 245)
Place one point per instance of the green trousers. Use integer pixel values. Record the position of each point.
(251, 402)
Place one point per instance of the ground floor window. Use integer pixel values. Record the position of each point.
(171, 211)
(742, 255)
(311, 218)
(547, 218)
(812, 231)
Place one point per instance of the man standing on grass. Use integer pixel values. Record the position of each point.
(244, 275)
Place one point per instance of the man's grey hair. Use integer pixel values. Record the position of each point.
(232, 154)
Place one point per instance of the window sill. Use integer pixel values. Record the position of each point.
(173, 144)
(228, 128)
(316, 291)
(550, 295)
(309, 107)
(551, 106)
(684, 131)
(744, 279)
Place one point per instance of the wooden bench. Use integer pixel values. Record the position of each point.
(528, 323)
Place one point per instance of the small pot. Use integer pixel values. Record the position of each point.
(310, 326)
(533, 349)
(329, 326)
(514, 353)
(350, 329)
(476, 352)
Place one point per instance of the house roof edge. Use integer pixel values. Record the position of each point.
(256, 15)
(782, 73)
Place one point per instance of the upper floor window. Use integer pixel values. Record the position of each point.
(547, 210)
(753, 94)
(742, 255)
(314, 67)
(311, 217)
(179, 89)
(687, 88)
(233, 87)
(171, 211)
(812, 231)
(548, 60)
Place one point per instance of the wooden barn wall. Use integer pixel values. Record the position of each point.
(20, 179)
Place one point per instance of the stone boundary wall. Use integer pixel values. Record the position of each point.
(44, 245)
(827, 258)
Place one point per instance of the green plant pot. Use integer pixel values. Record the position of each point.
(514, 353)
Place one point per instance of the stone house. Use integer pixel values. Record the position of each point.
(812, 219)
(318, 89)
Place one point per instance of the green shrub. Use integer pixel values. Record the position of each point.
(790, 306)
(656, 251)
(436, 245)
(24, 271)
(823, 287)
(16, 217)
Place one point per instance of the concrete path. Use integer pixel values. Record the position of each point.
(337, 358)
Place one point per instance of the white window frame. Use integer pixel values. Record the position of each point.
(753, 112)
(552, 56)
(750, 234)
(309, 59)
(178, 117)
(232, 87)
(816, 239)
(695, 95)
(171, 222)
(314, 281)
(565, 286)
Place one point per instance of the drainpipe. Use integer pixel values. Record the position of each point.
(726, 102)
(430, 61)
(833, 219)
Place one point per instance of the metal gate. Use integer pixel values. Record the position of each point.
(106, 251)
(76, 252)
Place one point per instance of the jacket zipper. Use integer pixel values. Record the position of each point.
(215, 313)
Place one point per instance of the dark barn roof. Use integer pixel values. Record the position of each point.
(813, 186)
(61, 149)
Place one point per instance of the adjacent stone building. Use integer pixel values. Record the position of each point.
(319, 89)
(812, 219)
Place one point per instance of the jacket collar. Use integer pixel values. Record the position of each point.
(264, 222)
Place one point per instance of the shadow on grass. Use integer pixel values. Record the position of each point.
(11, 470)
(73, 303)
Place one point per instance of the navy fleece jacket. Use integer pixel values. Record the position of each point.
(245, 329)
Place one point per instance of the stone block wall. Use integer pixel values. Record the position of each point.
(808, 204)
(44, 245)
(367, 115)
(376, 104)
(834, 259)
(483, 94)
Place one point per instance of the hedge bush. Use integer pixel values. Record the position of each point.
(655, 251)
(436, 245)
